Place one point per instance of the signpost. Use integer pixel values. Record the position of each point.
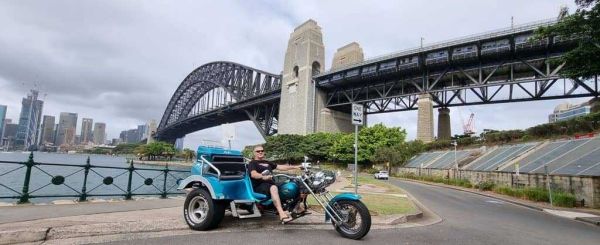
(357, 119)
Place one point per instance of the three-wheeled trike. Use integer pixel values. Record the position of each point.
(220, 181)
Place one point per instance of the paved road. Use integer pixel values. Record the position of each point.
(467, 219)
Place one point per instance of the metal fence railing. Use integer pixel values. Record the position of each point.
(57, 180)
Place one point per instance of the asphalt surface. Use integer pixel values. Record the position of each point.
(466, 219)
(34, 212)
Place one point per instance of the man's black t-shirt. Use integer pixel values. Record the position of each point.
(260, 166)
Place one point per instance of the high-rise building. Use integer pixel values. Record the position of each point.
(29, 121)
(47, 130)
(3, 109)
(99, 133)
(142, 132)
(179, 144)
(86, 130)
(132, 136)
(10, 133)
(67, 124)
(566, 111)
(123, 136)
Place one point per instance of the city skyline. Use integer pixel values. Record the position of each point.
(36, 128)
(50, 132)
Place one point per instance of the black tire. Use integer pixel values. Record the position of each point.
(365, 216)
(212, 216)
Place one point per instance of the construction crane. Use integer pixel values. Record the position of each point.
(469, 127)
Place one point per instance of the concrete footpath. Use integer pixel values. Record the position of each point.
(587, 215)
(79, 223)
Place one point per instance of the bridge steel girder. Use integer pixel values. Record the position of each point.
(238, 89)
(494, 67)
(502, 82)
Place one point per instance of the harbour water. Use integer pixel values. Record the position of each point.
(100, 181)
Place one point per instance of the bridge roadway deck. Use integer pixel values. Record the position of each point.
(467, 219)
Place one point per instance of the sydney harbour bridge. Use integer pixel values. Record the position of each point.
(502, 66)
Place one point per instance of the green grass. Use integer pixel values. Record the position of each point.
(368, 179)
(536, 194)
(378, 204)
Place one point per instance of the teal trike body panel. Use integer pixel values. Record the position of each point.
(230, 182)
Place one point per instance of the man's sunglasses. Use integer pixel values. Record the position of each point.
(259, 151)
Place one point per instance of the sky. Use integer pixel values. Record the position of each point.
(119, 62)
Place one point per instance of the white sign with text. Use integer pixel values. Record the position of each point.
(357, 114)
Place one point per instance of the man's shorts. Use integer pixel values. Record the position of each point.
(264, 188)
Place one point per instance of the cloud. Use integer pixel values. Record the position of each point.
(119, 62)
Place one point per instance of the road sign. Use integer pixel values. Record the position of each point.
(357, 114)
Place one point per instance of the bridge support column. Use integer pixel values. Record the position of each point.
(425, 118)
(444, 132)
(302, 107)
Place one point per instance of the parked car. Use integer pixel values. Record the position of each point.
(382, 175)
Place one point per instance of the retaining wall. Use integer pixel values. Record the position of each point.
(585, 188)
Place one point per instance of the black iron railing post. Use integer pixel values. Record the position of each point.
(25, 193)
(166, 170)
(130, 169)
(86, 171)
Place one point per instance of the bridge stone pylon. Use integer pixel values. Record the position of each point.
(302, 109)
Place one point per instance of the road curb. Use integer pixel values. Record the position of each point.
(23, 236)
(477, 193)
(589, 220)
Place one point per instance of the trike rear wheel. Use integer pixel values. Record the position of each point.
(201, 212)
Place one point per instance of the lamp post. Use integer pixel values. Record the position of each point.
(455, 144)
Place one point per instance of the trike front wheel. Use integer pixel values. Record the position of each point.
(356, 219)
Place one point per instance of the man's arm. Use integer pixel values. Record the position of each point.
(256, 175)
(287, 167)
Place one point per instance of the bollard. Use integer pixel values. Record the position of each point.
(130, 169)
(86, 171)
(25, 193)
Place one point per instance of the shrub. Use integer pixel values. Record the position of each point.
(563, 199)
(505, 190)
(372, 170)
(486, 186)
(536, 194)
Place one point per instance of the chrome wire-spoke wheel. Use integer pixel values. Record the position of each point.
(351, 222)
(356, 219)
(198, 209)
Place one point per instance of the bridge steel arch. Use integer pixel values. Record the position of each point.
(252, 95)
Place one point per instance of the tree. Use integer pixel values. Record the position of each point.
(285, 147)
(154, 150)
(125, 148)
(188, 155)
(399, 154)
(342, 148)
(583, 26)
(141, 151)
(247, 151)
(318, 145)
(387, 155)
(369, 139)
(376, 136)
